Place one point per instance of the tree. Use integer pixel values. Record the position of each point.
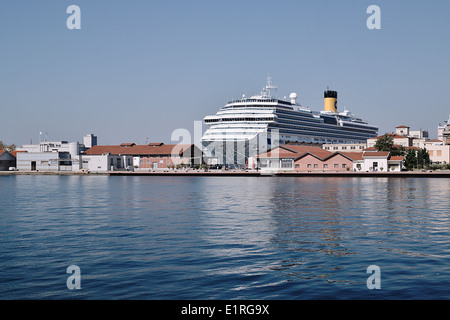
(384, 143)
(418, 159)
(398, 151)
(423, 158)
(410, 159)
(3, 146)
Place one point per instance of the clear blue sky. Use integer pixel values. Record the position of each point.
(140, 69)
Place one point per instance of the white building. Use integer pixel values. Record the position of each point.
(371, 161)
(107, 162)
(52, 155)
(442, 128)
(345, 147)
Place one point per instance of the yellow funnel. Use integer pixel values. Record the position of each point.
(330, 100)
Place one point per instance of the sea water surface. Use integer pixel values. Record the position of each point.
(224, 237)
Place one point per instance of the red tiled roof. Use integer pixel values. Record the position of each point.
(376, 154)
(317, 151)
(295, 151)
(395, 145)
(396, 158)
(279, 154)
(15, 152)
(134, 149)
(354, 155)
(402, 126)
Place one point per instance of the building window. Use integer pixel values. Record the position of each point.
(344, 148)
(344, 165)
(309, 165)
(325, 165)
(286, 163)
(336, 165)
(316, 165)
(297, 165)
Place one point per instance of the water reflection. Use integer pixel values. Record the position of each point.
(323, 228)
(237, 224)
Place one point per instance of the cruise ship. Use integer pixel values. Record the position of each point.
(248, 126)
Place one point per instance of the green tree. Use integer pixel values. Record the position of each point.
(410, 159)
(398, 151)
(6, 147)
(384, 143)
(423, 158)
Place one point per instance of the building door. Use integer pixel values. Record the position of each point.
(33, 165)
(155, 165)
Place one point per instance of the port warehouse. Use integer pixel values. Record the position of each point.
(7, 160)
(73, 156)
(130, 156)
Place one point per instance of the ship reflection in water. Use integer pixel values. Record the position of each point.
(316, 236)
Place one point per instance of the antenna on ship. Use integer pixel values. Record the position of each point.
(266, 91)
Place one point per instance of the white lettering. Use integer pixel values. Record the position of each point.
(74, 21)
(374, 21)
(374, 281)
(198, 310)
(74, 281)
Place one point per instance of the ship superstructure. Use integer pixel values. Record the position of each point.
(248, 126)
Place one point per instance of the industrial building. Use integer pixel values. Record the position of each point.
(53, 155)
(7, 160)
(130, 156)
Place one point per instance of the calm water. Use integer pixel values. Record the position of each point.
(224, 237)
